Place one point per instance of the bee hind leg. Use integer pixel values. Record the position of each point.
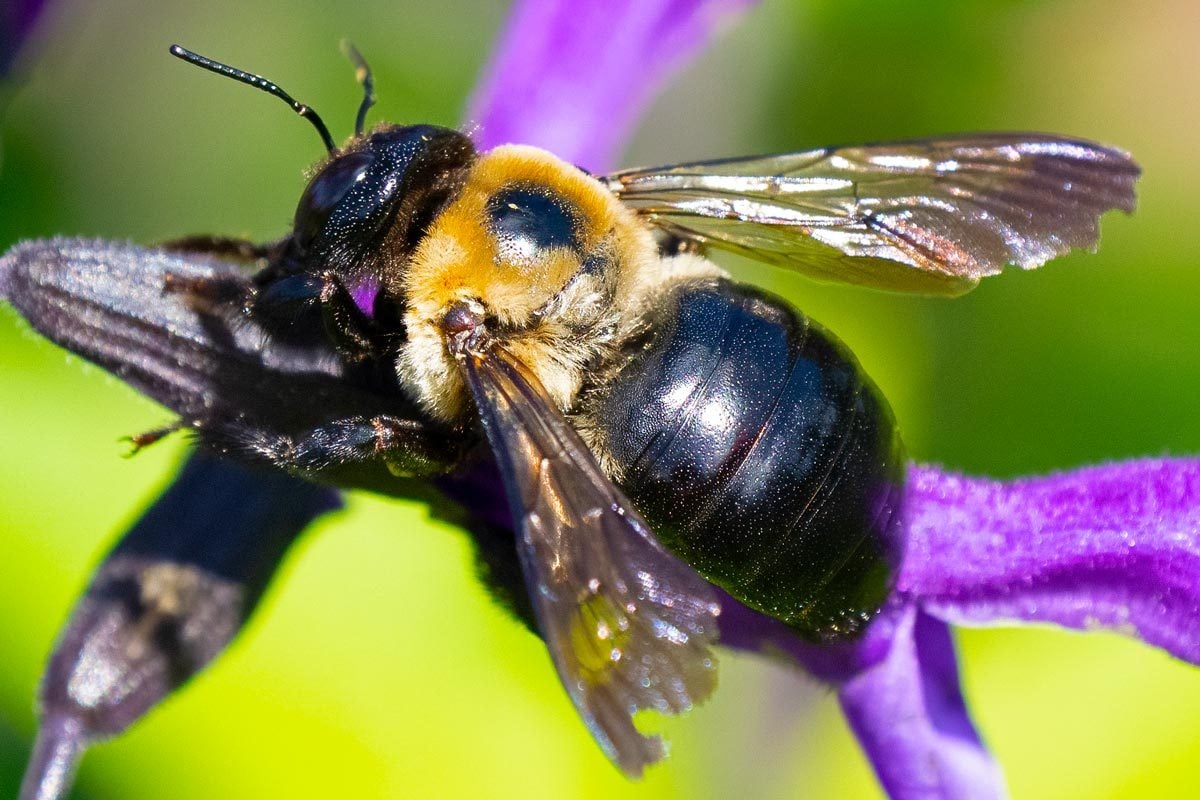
(342, 451)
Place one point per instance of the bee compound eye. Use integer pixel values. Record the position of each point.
(526, 221)
(325, 192)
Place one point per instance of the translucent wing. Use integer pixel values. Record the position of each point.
(629, 626)
(931, 215)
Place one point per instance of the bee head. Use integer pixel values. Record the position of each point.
(369, 204)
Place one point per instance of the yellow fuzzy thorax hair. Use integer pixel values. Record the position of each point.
(546, 310)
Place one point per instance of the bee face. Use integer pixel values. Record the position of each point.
(367, 205)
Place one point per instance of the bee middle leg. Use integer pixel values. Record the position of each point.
(301, 306)
(354, 334)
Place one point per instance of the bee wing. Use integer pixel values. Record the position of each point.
(628, 625)
(929, 215)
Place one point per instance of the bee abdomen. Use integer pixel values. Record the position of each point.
(758, 450)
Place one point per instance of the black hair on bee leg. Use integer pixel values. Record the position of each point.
(220, 247)
(212, 295)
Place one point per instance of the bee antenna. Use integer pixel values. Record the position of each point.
(258, 82)
(362, 73)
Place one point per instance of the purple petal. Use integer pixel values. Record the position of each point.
(17, 18)
(165, 601)
(364, 293)
(909, 716)
(574, 77)
(898, 685)
(1115, 546)
(743, 628)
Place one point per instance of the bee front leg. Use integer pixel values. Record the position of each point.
(302, 306)
(224, 293)
(222, 247)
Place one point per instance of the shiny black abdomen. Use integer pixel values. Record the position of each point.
(760, 453)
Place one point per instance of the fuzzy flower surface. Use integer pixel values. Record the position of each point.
(1108, 547)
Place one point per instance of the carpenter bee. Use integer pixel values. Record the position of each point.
(658, 428)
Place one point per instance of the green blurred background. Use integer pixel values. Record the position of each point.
(376, 666)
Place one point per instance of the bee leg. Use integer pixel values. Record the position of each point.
(302, 306)
(354, 334)
(233, 293)
(222, 247)
(288, 307)
(670, 244)
(215, 295)
(338, 450)
(295, 306)
(140, 441)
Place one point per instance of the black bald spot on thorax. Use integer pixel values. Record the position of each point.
(528, 220)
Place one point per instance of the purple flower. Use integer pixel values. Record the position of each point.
(1114, 547)
(560, 82)
(1109, 547)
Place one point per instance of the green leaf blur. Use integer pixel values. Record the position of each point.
(376, 666)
